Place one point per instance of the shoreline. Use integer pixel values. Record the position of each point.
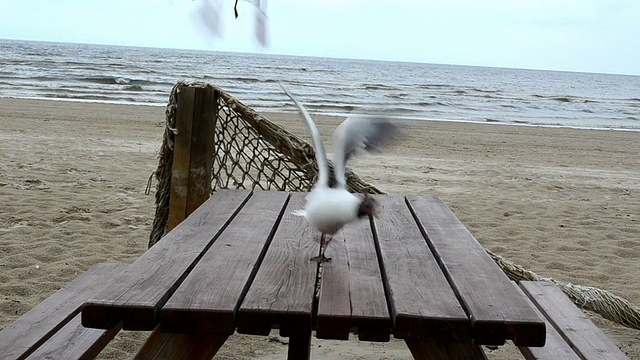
(563, 203)
(334, 115)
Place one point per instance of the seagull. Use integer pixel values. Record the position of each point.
(328, 209)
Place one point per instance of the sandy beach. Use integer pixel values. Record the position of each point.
(563, 203)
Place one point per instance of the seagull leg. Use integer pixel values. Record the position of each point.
(327, 241)
(323, 246)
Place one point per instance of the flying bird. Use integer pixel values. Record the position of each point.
(209, 19)
(327, 208)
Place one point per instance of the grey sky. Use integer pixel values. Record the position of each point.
(576, 35)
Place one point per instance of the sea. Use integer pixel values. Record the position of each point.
(145, 76)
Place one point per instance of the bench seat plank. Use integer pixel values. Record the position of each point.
(422, 303)
(281, 294)
(497, 310)
(37, 325)
(352, 294)
(138, 292)
(74, 341)
(208, 298)
(554, 348)
(576, 328)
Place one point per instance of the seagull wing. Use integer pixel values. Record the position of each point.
(359, 133)
(321, 157)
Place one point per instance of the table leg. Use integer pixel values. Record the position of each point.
(300, 346)
(429, 350)
(161, 345)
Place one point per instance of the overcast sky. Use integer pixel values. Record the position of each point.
(572, 35)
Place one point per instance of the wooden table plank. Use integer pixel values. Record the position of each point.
(75, 342)
(352, 294)
(208, 298)
(575, 326)
(498, 311)
(554, 348)
(423, 304)
(281, 294)
(142, 289)
(40, 323)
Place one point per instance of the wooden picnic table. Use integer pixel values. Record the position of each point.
(241, 262)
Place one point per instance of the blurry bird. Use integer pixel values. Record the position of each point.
(210, 20)
(329, 209)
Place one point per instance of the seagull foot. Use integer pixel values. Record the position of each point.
(320, 259)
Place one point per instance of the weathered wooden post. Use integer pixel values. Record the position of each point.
(196, 113)
(193, 151)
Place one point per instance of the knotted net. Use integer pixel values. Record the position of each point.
(250, 152)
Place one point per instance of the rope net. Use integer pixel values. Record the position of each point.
(244, 158)
(252, 152)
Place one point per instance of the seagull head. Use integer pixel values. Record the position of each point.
(367, 207)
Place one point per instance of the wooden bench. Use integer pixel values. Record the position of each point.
(570, 333)
(52, 329)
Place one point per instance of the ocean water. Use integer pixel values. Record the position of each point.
(145, 76)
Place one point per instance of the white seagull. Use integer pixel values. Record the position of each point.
(329, 209)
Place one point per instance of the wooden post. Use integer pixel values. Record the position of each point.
(432, 350)
(193, 152)
(299, 345)
(161, 345)
(196, 114)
